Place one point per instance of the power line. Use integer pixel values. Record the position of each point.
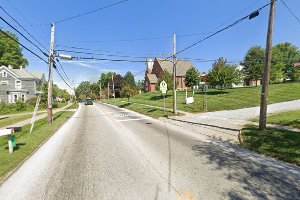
(116, 52)
(101, 54)
(290, 10)
(223, 29)
(92, 11)
(62, 78)
(63, 69)
(45, 54)
(13, 39)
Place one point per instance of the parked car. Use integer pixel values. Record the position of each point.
(88, 102)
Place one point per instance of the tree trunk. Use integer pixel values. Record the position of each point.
(255, 83)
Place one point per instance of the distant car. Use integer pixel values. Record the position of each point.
(88, 102)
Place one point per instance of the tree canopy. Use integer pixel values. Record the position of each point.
(129, 79)
(192, 77)
(253, 63)
(11, 52)
(167, 77)
(222, 74)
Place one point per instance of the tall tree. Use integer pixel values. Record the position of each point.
(11, 52)
(129, 79)
(284, 57)
(254, 64)
(222, 74)
(106, 78)
(192, 77)
(83, 89)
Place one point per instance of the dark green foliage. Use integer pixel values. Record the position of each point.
(129, 79)
(11, 52)
(192, 77)
(222, 74)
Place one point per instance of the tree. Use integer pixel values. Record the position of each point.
(118, 84)
(106, 78)
(83, 89)
(129, 79)
(253, 63)
(192, 77)
(44, 96)
(11, 52)
(167, 77)
(284, 57)
(128, 92)
(222, 74)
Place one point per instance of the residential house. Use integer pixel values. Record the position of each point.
(156, 67)
(18, 84)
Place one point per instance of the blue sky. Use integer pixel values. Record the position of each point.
(145, 28)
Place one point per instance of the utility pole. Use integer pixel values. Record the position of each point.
(100, 89)
(50, 80)
(108, 90)
(113, 85)
(266, 78)
(174, 77)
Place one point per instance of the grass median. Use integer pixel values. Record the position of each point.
(27, 142)
(280, 144)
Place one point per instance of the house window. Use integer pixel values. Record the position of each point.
(23, 98)
(18, 84)
(4, 74)
(4, 82)
(15, 98)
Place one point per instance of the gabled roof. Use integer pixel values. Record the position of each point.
(38, 75)
(24, 74)
(181, 66)
(152, 78)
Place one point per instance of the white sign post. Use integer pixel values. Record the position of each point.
(164, 88)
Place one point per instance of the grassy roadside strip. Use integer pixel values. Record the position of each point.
(73, 106)
(28, 143)
(280, 144)
(145, 110)
(290, 118)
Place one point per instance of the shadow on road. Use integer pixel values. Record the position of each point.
(258, 179)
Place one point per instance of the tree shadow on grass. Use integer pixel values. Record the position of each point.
(19, 146)
(258, 180)
(159, 97)
(125, 105)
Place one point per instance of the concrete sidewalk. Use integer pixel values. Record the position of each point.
(38, 117)
(225, 125)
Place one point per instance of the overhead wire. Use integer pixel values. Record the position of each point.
(290, 10)
(13, 39)
(223, 29)
(45, 54)
(92, 11)
(23, 28)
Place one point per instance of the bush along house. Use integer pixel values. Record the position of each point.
(157, 66)
(19, 84)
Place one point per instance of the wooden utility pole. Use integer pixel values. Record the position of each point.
(100, 89)
(266, 78)
(50, 79)
(113, 85)
(174, 77)
(108, 90)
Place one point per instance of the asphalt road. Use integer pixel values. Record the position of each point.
(105, 152)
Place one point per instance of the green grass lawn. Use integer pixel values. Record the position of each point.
(73, 106)
(280, 144)
(14, 119)
(152, 112)
(231, 99)
(27, 142)
(290, 118)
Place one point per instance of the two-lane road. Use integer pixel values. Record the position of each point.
(105, 152)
